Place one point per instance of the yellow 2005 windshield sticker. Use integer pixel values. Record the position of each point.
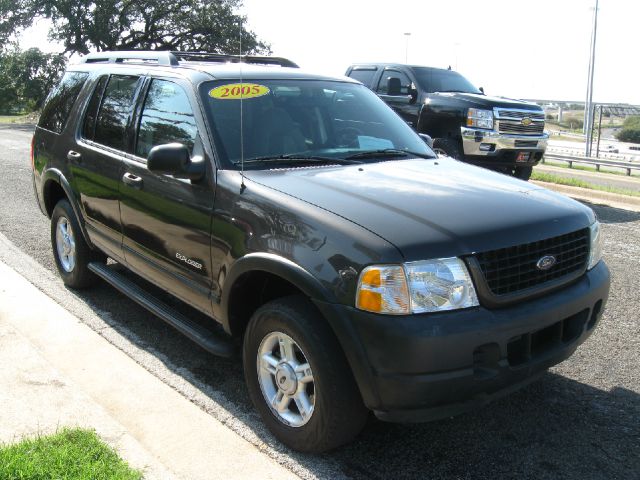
(235, 91)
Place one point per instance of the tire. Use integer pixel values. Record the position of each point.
(448, 147)
(70, 250)
(328, 392)
(523, 173)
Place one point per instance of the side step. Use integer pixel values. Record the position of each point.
(211, 341)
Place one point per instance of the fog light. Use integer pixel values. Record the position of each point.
(487, 147)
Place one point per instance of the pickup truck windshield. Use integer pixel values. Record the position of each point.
(434, 80)
(302, 121)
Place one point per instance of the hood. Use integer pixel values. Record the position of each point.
(476, 100)
(430, 209)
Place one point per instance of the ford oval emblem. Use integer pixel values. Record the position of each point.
(546, 262)
(526, 121)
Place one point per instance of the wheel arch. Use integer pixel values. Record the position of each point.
(56, 187)
(266, 276)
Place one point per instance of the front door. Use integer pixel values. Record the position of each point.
(166, 221)
(394, 87)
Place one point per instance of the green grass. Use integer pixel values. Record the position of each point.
(26, 118)
(574, 182)
(69, 454)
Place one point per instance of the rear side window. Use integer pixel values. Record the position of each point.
(117, 104)
(60, 101)
(167, 117)
(89, 125)
(363, 75)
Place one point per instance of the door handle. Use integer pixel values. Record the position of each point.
(133, 180)
(74, 156)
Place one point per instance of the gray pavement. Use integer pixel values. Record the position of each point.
(582, 420)
(63, 374)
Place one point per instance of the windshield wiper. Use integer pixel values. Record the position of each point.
(298, 158)
(386, 153)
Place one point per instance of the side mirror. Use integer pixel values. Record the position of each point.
(174, 159)
(413, 92)
(427, 139)
(482, 90)
(393, 86)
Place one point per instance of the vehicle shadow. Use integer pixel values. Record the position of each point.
(608, 214)
(555, 428)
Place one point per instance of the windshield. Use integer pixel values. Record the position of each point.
(297, 121)
(434, 80)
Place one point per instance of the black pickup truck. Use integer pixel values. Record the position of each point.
(318, 234)
(494, 132)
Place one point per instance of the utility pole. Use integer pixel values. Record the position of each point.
(589, 111)
(406, 47)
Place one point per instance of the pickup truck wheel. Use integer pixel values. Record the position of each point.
(448, 147)
(523, 173)
(70, 251)
(298, 377)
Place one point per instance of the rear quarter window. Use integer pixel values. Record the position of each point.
(365, 76)
(60, 101)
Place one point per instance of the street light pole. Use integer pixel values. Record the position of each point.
(588, 124)
(406, 47)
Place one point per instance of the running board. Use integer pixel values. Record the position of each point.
(211, 341)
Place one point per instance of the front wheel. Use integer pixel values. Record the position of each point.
(449, 147)
(298, 377)
(523, 173)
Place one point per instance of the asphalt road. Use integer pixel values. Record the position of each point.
(580, 421)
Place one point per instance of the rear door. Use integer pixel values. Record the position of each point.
(167, 221)
(97, 162)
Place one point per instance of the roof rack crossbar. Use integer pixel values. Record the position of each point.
(219, 57)
(161, 57)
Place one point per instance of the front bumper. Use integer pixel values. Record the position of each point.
(494, 147)
(430, 366)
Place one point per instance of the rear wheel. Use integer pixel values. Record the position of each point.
(298, 377)
(70, 251)
(448, 147)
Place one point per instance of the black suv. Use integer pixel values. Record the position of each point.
(495, 132)
(315, 228)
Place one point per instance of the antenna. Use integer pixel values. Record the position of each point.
(242, 185)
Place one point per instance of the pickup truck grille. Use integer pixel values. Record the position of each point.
(512, 270)
(511, 122)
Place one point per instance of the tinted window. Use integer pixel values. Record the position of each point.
(167, 117)
(114, 112)
(405, 83)
(435, 80)
(89, 125)
(302, 119)
(364, 76)
(61, 100)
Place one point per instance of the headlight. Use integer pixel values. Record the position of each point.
(595, 248)
(416, 287)
(480, 118)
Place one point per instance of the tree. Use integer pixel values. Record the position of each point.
(630, 131)
(26, 78)
(85, 25)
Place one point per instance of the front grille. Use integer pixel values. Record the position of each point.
(510, 122)
(513, 269)
(520, 114)
(535, 128)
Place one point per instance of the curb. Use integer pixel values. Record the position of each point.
(615, 200)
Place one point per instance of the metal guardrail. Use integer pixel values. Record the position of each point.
(598, 162)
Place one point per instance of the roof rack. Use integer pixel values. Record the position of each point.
(223, 58)
(173, 58)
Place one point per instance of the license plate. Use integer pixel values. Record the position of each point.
(523, 156)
